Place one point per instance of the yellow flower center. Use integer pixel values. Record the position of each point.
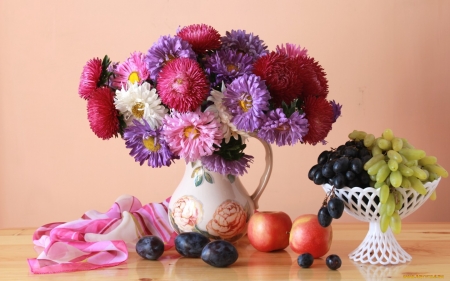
(231, 67)
(191, 132)
(138, 109)
(149, 143)
(284, 127)
(246, 102)
(134, 77)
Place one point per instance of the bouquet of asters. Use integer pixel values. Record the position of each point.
(198, 95)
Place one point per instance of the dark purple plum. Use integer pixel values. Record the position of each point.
(190, 244)
(333, 262)
(305, 260)
(150, 247)
(219, 253)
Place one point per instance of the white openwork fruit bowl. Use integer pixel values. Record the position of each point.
(361, 203)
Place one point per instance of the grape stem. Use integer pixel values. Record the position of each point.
(329, 195)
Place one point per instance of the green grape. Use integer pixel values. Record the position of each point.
(397, 144)
(376, 150)
(390, 205)
(378, 184)
(398, 201)
(393, 165)
(432, 176)
(427, 175)
(395, 223)
(375, 167)
(383, 173)
(384, 222)
(373, 178)
(428, 160)
(406, 171)
(412, 154)
(434, 168)
(369, 140)
(417, 185)
(357, 135)
(411, 163)
(433, 196)
(373, 160)
(384, 193)
(383, 208)
(353, 134)
(406, 144)
(394, 155)
(396, 178)
(388, 181)
(405, 182)
(419, 173)
(388, 134)
(384, 144)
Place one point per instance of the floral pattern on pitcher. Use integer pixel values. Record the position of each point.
(199, 174)
(229, 221)
(186, 213)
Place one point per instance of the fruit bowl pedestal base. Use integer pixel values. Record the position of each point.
(379, 248)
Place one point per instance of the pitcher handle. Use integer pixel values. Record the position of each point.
(267, 172)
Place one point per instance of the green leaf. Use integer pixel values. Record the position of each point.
(208, 177)
(231, 178)
(198, 179)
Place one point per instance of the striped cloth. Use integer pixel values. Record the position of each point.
(100, 240)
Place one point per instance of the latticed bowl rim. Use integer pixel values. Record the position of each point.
(363, 203)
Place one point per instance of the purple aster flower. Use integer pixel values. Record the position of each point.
(147, 144)
(245, 43)
(246, 99)
(336, 110)
(219, 165)
(167, 48)
(228, 65)
(284, 130)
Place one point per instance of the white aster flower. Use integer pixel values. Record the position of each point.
(140, 102)
(221, 113)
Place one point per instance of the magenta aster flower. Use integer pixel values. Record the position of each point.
(247, 98)
(90, 78)
(219, 165)
(336, 110)
(147, 145)
(292, 50)
(226, 65)
(132, 70)
(202, 37)
(282, 130)
(102, 114)
(166, 49)
(192, 135)
(243, 42)
(182, 85)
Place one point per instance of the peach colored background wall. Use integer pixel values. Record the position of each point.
(388, 63)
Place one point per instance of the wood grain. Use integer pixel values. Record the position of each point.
(427, 243)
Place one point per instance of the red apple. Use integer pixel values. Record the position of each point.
(308, 236)
(269, 231)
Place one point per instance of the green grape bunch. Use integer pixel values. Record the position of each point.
(395, 163)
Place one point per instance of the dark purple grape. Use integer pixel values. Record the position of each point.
(341, 165)
(365, 179)
(323, 157)
(319, 178)
(331, 181)
(351, 151)
(150, 247)
(333, 262)
(341, 149)
(335, 207)
(365, 158)
(363, 152)
(339, 181)
(219, 253)
(327, 170)
(334, 155)
(349, 143)
(305, 260)
(190, 244)
(324, 217)
(313, 170)
(356, 165)
(354, 183)
(350, 175)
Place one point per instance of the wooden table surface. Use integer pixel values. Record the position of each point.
(427, 243)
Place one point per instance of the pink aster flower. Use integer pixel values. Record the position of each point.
(192, 135)
(132, 70)
(202, 37)
(102, 114)
(90, 77)
(292, 50)
(182, 84)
